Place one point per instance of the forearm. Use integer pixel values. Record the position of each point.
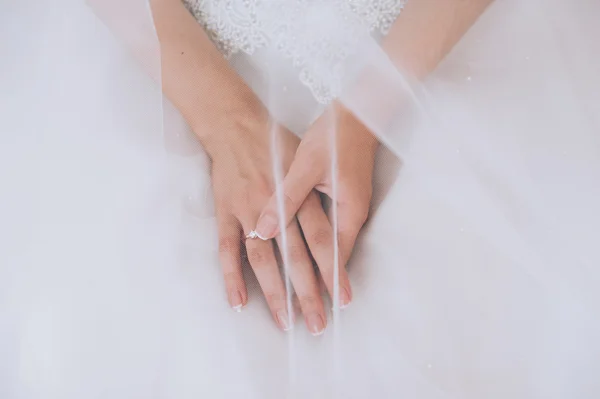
(195, 76)
(427, 30)
(419, 40)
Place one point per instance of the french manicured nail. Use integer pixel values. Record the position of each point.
(315, 324)
(284, 320)
(235, 300)
(345, 298)
(266, 228)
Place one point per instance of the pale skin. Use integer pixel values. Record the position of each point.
(235, 129)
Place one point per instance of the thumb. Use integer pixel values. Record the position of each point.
(351, 219)
(290, 194)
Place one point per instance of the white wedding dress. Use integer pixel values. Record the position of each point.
(478, 275)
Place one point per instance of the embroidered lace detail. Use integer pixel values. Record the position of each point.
(318, 36)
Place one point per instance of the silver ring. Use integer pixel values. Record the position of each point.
(253, 235)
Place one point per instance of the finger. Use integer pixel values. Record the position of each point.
(297, 184)
(318, 234)
(263, 262)
(351, 219)
(230, 258)
(302, 276)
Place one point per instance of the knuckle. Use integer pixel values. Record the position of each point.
(321, 236)
(297, 254)
(229, 244)
(309, 301)
(256, 256)
(249, 195)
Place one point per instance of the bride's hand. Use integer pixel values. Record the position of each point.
(243, 182)
(233, 126)
(312, 169)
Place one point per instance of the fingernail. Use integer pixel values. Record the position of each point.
(283, 320)
(266, 226)
(315, 324)
(235, 300)
(345, 298)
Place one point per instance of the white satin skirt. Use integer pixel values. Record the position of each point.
(477, 276)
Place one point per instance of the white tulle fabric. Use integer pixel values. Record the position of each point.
(477, 276)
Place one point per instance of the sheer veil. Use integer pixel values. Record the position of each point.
(477, 274)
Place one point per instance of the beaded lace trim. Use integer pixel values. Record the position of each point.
(316, 35)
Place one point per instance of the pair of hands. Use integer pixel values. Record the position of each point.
(234, 128)
(244, 149)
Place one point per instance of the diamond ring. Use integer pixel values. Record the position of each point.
(253, 235)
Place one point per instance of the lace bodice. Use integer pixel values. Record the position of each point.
(317, 36)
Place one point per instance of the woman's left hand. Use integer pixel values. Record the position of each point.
(312, 168)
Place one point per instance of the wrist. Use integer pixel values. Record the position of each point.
(223, 129)
(219, 121)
